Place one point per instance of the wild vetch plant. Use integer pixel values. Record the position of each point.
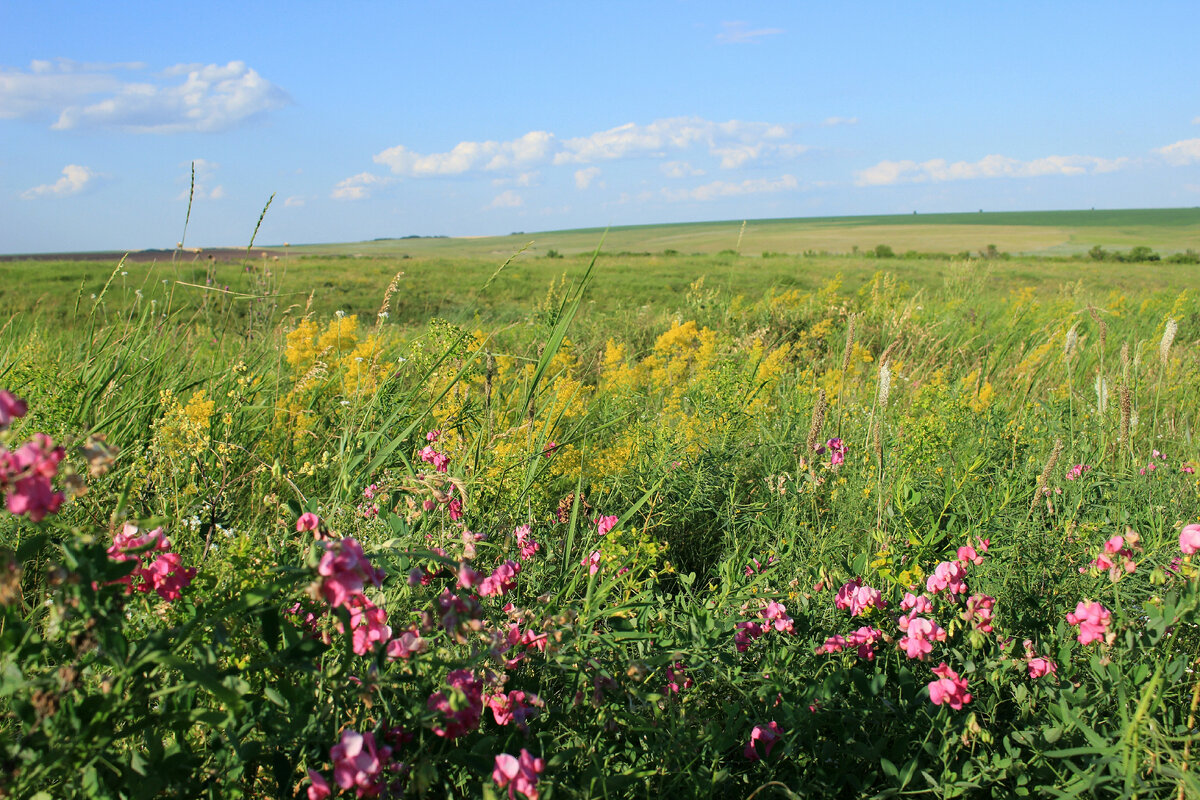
(274, 553)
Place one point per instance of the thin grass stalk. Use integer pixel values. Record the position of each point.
(847, 353)
(1043, 481)
(1164, 356)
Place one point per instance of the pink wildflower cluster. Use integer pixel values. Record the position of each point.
(529, 547)
(948, 688)
(837, 452)
(439, 460)
(516, 707)
(1076, 472)
(518, 773)
(757, 566)
(978, 613)
(446, 499)
(462, 715)
(25, 473)
(502, 580)
(592, 562)
(774, 616)
(344, 570)
(863, 639)
(11, 407)
(605, 524)
(358, 763)
(857, 598)
(528, 639)
(458, 615)
(919, 635)
(677, 678)
(1037, 666)
(165, 575)
(1189, 539)
(948, 576)
(309, 521)
(1093, 620)
(1152, 465)
(1116, 557)
(768, 735)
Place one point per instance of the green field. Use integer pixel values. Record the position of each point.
(703, 524)
(1049, 233)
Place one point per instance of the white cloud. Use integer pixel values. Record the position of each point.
(358, 187)
(734, 142)
(295, 201)
(742, 33)
(584, 177)
(73, 181)
(679, 169)
(1180, 153)
(1196, 120)
(938, 170)
(829, 122)
(210, 97)
(532, 148)
(217, 193)
(716, 189)
(507, 199)
(524, 179)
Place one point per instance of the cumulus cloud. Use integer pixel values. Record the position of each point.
(742, 33)
(679, 169)
(584, 177)
(938, 170)
(193, 98)
(1180, 153)
(734, 143)
(717, 189)
(74, 180)
(358, 187)
(507, 199)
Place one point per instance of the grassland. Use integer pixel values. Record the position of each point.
(738, 473)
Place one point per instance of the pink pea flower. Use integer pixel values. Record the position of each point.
(440, 461)
(344, 570)
(918, 603)
(1076, 472)
(920, 634)
(858, 599)
(1116, 557)
(1189, 539)
(1041, 667)
(25, 475)
(165, 575)
(454, 508)
(605, 524)
(949, 688)
(433, 436)
(519, 774)
(947, 576)
(461, 716)
(368, 624)
(516, 707)
(502, 581)
(319, 789)
(358, 763)
(308, 522)
(1093, 620)
(967, 555)
(529, 547)
(834, 644)
(1187, 468)
(592, 562)
(837, 452)
(768, 734)
(979, 612)
(406, 645)
(746, 632)
(776, 615)
(11, 407)
(675, 675)
(864, 639)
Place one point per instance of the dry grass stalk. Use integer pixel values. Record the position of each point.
(849, 351)
(1126, 413)
(387, 299)
(1168, 338)
(818, 421)
(1043, 480)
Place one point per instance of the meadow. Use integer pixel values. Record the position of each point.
(479, 522)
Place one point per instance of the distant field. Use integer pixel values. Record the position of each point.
(1045, 233)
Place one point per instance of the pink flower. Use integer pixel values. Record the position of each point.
(864, 639)
(918, 603)
(308, 522)
(500, 582)
(858, 598)
(979, 612)
(515, 707)
(1041, 667)
(1093, 620)
(967, 555)
(319, 789)
(746, 632)
(1189, 539)
(165, 575)
(11, 407)
(440, 461)
(520, 775)
(25, 475)
(834, 644)
(920, 634)
(837, 452)
(1076, 472)
(768, 734)
(406, 645)
(592, 562)
(468, 691)
(368, 624)
(454, 508)
(776, 614)
(949, 688)
(605, 524)
(1116, 557)
(529, 547)
(344, 570)
(433, 435)
(947, 576)
(358, 763)
(675, 674)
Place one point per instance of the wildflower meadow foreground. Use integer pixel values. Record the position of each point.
(845, 541)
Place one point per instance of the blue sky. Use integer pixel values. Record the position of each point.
(387, 119)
